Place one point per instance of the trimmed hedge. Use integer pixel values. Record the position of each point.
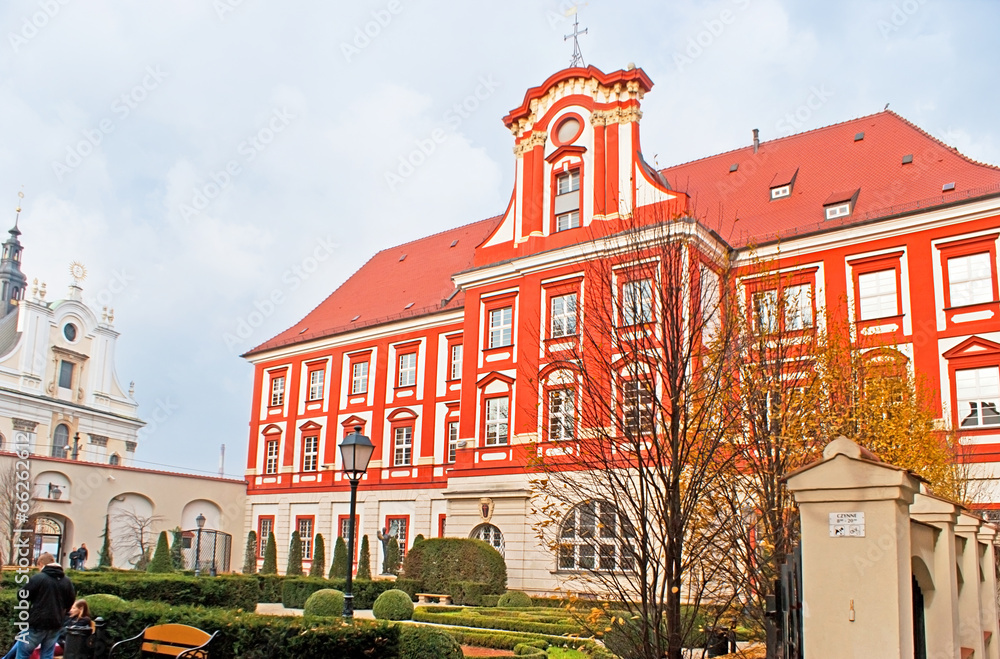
(514, 599)
(327, 602)
(438, 563)
(525, 650)
(424, 643)
(473, 619)
(231, 591)
(296, 590)
(242, 634)
(393, 605)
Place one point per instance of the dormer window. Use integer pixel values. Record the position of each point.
(567, 202)
(782, 183)
(783, 191)
(840, 204)
(840, 210)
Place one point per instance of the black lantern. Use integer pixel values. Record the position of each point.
(356, 451)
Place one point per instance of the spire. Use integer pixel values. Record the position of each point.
(577, 59)
(12, 280)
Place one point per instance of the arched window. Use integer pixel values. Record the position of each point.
(114, 459)
(594, 537)
(489, 534)
(60, 440)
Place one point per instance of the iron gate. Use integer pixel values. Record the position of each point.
(784, 611)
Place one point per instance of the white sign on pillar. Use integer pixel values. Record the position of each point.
(847, 525)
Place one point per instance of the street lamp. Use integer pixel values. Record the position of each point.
(356, 451)
(200, 521)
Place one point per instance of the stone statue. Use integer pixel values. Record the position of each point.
(384, 537)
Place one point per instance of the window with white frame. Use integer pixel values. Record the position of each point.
(561, 414)
(711, 315)
(765, 310)
(359, 378)
(568, 182)
(563, 322)
(277, 390)
(567, 201)
(637, 302)
(489, 534)
(637, 406)
(306, 536)
(266, 529)
(310, 453)
(798, 307)
(271, 456)
(496, 421)
(594, 537)
(840, 210)
(402, 446)
(398, 529)
(568, 220)
(316, 384)
(970, 280)
(977, 391)
(781, 191)
(455, 366)
(408, 369)
(452, 440)
(877, 294)
(501, 323)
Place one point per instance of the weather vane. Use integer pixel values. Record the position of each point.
(17, 211)
(577, 59)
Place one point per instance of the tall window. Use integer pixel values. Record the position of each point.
(978, 394)
(561, 408)
(397, 526)
(66, 375)
(402, 446)
(637, 302)
(594, 537)
(637, 406)
(501, 322)
(60, 440)
(711, 315)
(306, 535)
(798, 307)
(455, 365)
(765, 311)
(271, 457)
(266, 529)
(496, 421)
(316, 384)
(452, 440)
(563, 316)
(970, 280)
(277, 391)
(310, 453)
(489, 534)
(408, 369)
(359, 378)
(877, 294)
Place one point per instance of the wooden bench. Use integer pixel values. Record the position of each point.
(181, 641)
(425, 598)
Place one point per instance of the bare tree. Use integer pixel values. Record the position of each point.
(634, 431)
(135, 536)
(17, 505)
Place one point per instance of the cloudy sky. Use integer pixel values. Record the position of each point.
(202, 157)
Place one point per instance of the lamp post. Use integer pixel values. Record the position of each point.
(356, 451)
(200, 521)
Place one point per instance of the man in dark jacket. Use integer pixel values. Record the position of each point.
(50, 596)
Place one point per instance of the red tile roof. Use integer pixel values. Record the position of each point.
(401, 282)
(738, 204)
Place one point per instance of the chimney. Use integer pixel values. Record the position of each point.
(756, 140)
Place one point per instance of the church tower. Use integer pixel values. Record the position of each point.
(12, 280)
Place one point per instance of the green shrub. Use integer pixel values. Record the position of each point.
(161, 562)
(231, 591)
(101, 603)
(424, 643)
(514, 599)
(318, 558)
(177, 550)
(391, 563)
(294, 568)
(439, 562)
(327, 602)
(105, 559)
(468, 593)
(393, 605)
(525, 650)
(270, 588)
(296, 590)
(490, 600)
(270, 565)
(489, 621)
(409, 586)
(249, 554)
(364, 561)
(338, 569)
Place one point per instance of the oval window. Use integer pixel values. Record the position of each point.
(568, 130)
(69, 331)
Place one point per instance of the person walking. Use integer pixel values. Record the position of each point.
(74, 556)
(50, 596)
(82, 554)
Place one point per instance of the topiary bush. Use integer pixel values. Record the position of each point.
(514, 599)
(327, 602)
(393, 605)
(161, 562)
(437, 563)
(424, 643)
(102, 603)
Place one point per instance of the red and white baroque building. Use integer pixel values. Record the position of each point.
(441, 349)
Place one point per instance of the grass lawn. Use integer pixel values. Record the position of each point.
(565, 653)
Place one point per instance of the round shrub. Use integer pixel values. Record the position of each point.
(514, 599)
(326, 602)
(393, 605)
(437, 563)
(426, 643)
(101, 603)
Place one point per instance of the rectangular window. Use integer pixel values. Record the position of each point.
(798, 307)
(455, 365)
(840, 210)
(570, 220)
(278, 391)
(344, 531)
(408, 369)
(877, 294)
(765, 311)
(452, 440)
(711, 315)
(782, 191)
(265, 527)
(978, 394)
(563, 316)
(310, 453)
(397, 527)
(316, 384)
(637, 406)
(65, 375)
(561, 414)
(271, 459)
(501, 322)
(637, 302)
(359, 378)
(568, 182)
(402, 446)
(305, 525)
(970, 280)
(496, 421)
